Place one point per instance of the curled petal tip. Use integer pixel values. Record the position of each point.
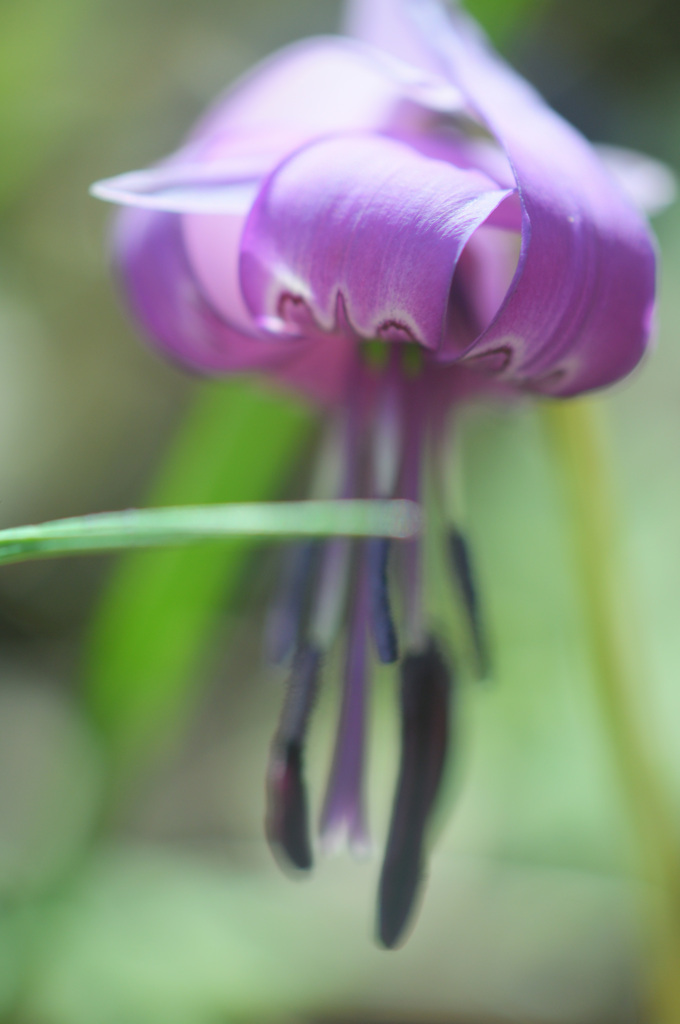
(177, 192)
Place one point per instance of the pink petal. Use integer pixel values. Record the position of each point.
(321, 87)
(213, 248)
(165, 298)
(387, 25)
(368, 224)
(314, 88)
(579, 312)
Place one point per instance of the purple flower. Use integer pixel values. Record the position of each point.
(389, 223)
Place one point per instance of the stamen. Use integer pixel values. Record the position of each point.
(388, 433)
(332, 593)
(412, 553)
(343, 810)
(416, 633)
(333, 582)
(384, 632)
(450, 492)
(387, 452)
(461, 562)
(287, 822)
(284, 622)
(425, 698)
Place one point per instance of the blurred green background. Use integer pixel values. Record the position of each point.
(135, 886)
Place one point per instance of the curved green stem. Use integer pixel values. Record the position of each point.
(580, 444)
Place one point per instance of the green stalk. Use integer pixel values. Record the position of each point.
(580, 443)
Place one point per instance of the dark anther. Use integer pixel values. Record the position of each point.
(287, 813)
(425, 699)
(461, 563)
(286, 616)
(384, 633)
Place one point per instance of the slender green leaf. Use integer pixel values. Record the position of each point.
(163, 527)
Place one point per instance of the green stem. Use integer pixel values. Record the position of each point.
(580, 442)
(163, 527)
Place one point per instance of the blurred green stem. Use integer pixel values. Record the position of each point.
(580, 442)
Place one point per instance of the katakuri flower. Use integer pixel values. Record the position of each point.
(389, 223)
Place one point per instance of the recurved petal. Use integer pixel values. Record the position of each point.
(314, 88)
(167, 299)
(366, 224)
(579, 311)
(387, 24)
(322, 86)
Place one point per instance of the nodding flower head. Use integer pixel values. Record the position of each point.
(388, 222)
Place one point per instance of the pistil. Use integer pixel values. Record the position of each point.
(387, 447)
(343, 809)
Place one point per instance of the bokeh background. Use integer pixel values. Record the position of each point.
(135, 705)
